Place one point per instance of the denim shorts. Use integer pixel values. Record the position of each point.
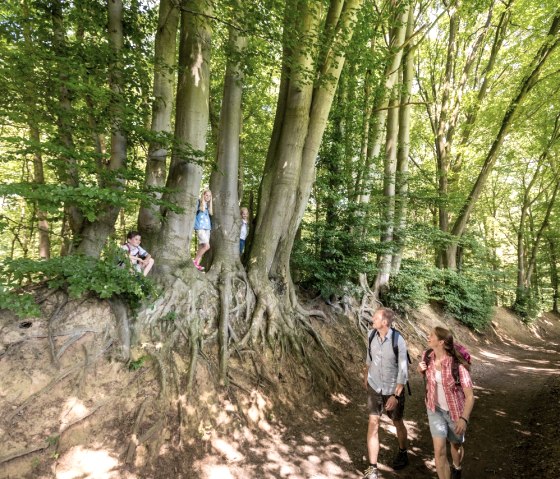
(441, 425)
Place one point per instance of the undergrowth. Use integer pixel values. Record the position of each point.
(467, 296)
(76, 274)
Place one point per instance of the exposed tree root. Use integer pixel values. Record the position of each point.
(25, 452)
(133, 442)
(55, 381)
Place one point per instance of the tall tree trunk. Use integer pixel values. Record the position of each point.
(149, 221)
(223, 181)
(68, 169)
(301, 119)
(442, 147)
(532, 260)
(95, 233)
(398, 33)
(39, 179)
(549, 45)
(553, 254)
(381, 101)
(403, 145)
(191, 126)
(34, 137)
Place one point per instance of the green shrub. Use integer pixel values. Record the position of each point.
(527, 306)
(467, 298)
(331, 262)
(75, 274)
(408, 290)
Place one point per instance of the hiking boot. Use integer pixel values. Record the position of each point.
(455, 473)
(371, 473)
(401, 460)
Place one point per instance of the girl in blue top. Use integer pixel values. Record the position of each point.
(202, 226)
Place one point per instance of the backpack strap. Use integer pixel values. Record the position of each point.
(395, 340)
(455, 371)
(370, 339)
(395, 344)
(454, 365)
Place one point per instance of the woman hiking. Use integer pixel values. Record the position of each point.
(449, 402)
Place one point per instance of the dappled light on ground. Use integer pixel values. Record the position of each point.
(497, 357)
(84, 463)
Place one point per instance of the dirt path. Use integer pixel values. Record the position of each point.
(514, 382)
(517, 377)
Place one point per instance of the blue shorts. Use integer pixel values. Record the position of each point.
(441, 425)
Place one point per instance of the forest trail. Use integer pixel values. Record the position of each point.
(507, 438)
(512, 431)
(516, 374)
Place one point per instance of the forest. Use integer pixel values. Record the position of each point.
(395, 152)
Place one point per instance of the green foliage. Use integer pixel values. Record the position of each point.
(409, 289)
(465, 296)
(78, 275)
(137, 363)
(527, 305)
(330, 260)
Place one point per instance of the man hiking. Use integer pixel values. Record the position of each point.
(385, 376)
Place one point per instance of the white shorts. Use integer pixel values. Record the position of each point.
(203, 236)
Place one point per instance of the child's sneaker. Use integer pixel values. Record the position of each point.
(197, 266)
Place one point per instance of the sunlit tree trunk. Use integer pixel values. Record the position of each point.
(95, 233)
(191, 127)
(223, 181)
(149, 221)
(403, 145)
(398, 33)
(226, 260)
(301, 119)
(380, 109)
(549, 45)
(553, 254)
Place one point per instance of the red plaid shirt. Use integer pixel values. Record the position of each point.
(454, 394)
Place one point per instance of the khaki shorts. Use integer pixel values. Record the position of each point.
(376, 405)
(203, 236)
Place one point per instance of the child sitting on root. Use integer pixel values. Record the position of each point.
(140, 259)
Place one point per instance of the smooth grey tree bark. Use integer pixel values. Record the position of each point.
(301, 118)
(165, 45)
(95, 233)
(191, 126)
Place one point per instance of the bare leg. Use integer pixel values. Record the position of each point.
(373, 439)
(440, 453)
(149, 266)
(201, 250)
(457, 453)
(402, 435)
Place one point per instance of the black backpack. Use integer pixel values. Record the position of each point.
(395, 344)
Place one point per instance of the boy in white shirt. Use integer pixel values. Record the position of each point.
(244, 229)
(141, 260)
